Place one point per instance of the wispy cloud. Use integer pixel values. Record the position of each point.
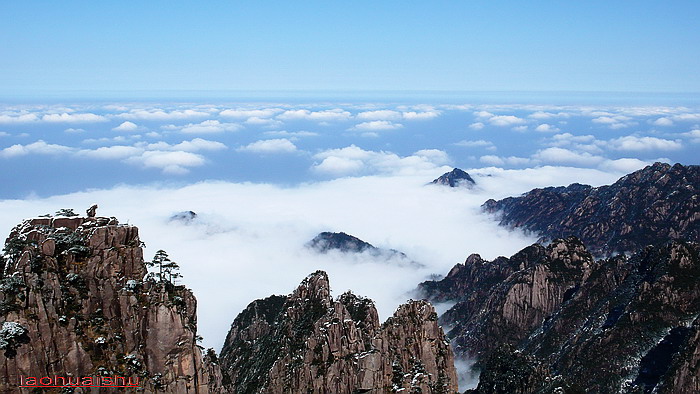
(74, 118)
(173, 163)
(376, 125)
(38, 147)
(126, 126)
(634, 143)
(154, 114)
(277, 145)
(355, 160)
(330, 115)
(206, 127)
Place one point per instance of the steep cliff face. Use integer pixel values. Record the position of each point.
(77, 285)
(308, 342)
(624, 324)
(648, 207)
(492, 309)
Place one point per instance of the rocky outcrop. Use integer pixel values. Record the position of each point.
(328, 241)
(455, 178)
(79, 287)
(623, 324)
(648, 207)
(309, 342)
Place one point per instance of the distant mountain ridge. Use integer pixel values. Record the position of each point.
(455, 178)
(655, 204)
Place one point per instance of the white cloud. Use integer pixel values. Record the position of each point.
(494, 160)
(556, 155)
(174, 163)
(694, 135)
(291, 134)
(126, 126)
(278, 145)
(38, 147)
(520, 128)
(506, 120)
(384, 114)
(542, 115)
(664, 122)
(546, 128)
(209, 127)
(686, 117)
(355, 160)
(498, 120)
(586, 143)
(330, 115)
(476, 144)
(264, 122)
(161, 115)
(337, 165)
(195, 145)
(476, 126)
(4, 134)
(435, 156)
(633, 143)
(115, 152)
(625, 165)
(425, 115)
(614, 121)
(249, 113)
(73, 118)
(483, 114)
(73, 130)
(19, 118)
(377, 125)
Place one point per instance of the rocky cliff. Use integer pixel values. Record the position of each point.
(561, 320)
(309, 342)
(648, 207)
(76, 301)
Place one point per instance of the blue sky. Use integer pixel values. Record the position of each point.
(360, 45)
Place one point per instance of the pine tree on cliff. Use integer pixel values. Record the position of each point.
(167, 269)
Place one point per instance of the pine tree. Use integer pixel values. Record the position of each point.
(167, 269)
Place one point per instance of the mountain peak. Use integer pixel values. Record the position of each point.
(326, 241)
(455, 178)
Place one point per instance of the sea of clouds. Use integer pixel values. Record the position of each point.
(248, 240)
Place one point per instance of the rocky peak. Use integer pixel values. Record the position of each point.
(650, 206)
(623, 324)
(327, 241)
(78, 286)
(302, 344)
(455, 178)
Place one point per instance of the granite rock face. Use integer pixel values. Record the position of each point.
(562, 320)
(455, 178)
(309, 342)
(648, 207)
(79, 287)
